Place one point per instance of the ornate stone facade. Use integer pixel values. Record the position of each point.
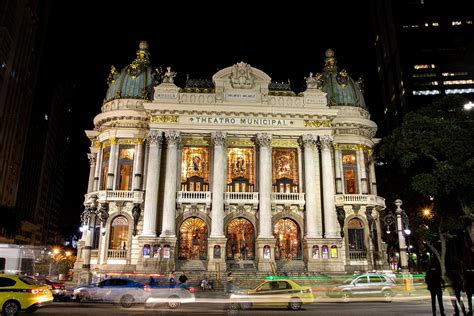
(257, 184)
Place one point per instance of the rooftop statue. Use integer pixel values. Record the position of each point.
(168, 76)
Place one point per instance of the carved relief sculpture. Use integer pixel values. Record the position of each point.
(241, 76)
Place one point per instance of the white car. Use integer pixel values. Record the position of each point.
(173, 297)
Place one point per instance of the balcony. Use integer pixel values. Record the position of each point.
(360, 199)
(106, 196)
(117, 254)
(288, 199)
(194, 197)
(241, 198)
(357, 255)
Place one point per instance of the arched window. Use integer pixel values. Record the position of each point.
(104, 168)
(125, 167)
(333, 251)
(146, 251)
(119, 233)
(355, 229)
(325, 252)
(315, 252)
(349, 166)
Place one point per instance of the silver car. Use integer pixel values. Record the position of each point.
(365, 286)
(125, 292)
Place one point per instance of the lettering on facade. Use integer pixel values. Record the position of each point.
(241, 96)
(166, 95)
(207, 120)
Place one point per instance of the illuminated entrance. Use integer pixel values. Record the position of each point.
(193, 239)
(287, 234)
(240, 240)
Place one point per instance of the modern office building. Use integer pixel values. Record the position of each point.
(237, 173)
(424, 49)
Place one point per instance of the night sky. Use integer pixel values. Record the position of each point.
(286, 40)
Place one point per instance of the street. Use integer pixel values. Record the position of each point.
(419, 305)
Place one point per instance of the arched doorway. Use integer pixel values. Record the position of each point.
(193, 239)
(288, 243)
(356, 239)
(119, 233)
(240, 239)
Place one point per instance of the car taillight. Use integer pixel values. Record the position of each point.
(147, 288)
(192, 290)
(36, 291)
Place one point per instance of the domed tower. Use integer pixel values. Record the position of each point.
(115, 193)
(135, 81)
(341, 89)
(356, 200)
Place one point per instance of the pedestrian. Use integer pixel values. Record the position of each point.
(435, 286)
(182, 281)
(229, 285)
(455, 288)
(242, 252)
(469, 288)
(172, 279)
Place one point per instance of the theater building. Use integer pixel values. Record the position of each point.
(237, 173)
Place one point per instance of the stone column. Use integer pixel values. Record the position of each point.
(373, 178)
(217, 214)
(217, 240)
(265, 247)
(98, 167)
(330, 219)
(338, 169)
(361, 169)
(92, 162)
(264, 141)
(173, 138)
(112, 164)
(312, 225)
(300, 171)
(154, 138)
(138, 166)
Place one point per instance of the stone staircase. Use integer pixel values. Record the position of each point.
(190, 265)
(291, 267)
(241, 265)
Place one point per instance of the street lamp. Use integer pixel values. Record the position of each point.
(399, 221)
(89, 219)
(91, 215)
(468, 106)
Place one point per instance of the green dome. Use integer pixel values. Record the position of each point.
(136, 81)
(341, 89)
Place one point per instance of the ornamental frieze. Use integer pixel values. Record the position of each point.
(164, 119)
(285, 143)
(317, 123)
(364, 148)
(195, 142)
(240, 143)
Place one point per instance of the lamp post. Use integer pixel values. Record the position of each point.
(400, 221)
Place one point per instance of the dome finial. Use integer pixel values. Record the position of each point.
(330, 63)
(142, 53)
(143, 45)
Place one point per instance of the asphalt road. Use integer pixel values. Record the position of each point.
(418, 306)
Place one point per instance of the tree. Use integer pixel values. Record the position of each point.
(434, 148)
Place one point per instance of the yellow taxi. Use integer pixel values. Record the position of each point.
(280, 292)
(19, 292)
